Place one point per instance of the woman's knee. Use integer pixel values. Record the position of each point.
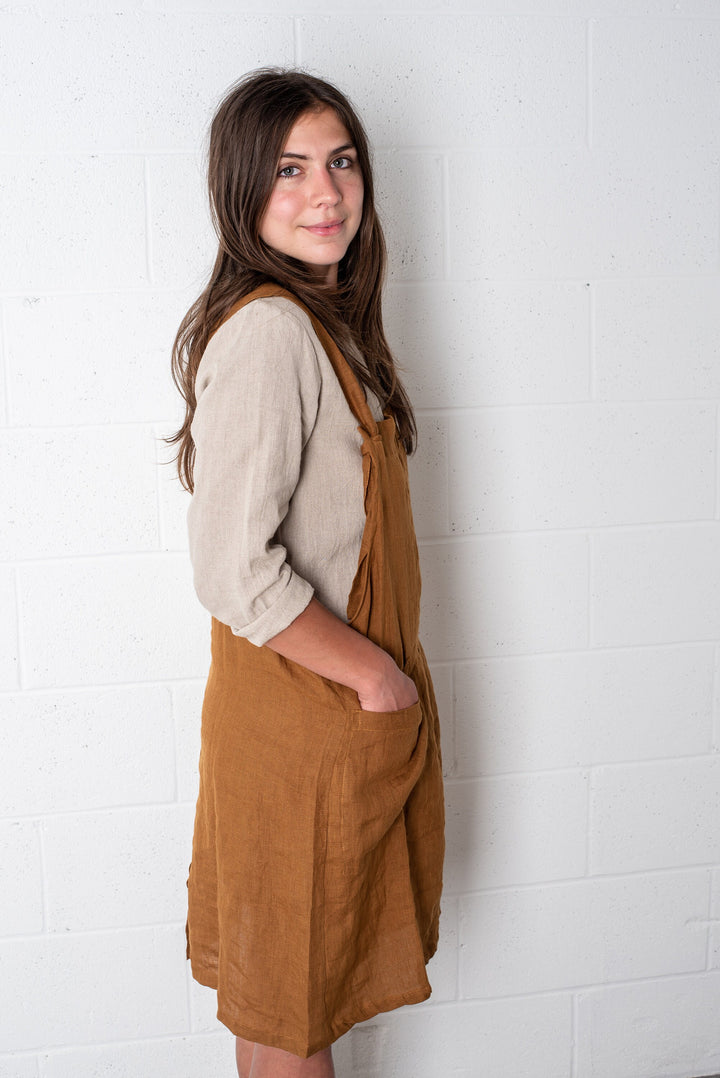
(276, 1063)
(244, 1051)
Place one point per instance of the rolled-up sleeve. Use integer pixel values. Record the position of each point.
(257, 390)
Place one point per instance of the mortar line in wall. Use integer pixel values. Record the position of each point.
(583, 402)
(113, 555)
(491, 277)
(392, 283)
(571, 989)
(425, 148)
(450, 783)
(715, 732)
(592, 350)
(427, 542)
(717, 463)
(709, 939)
(177, 925)
(52, 1049)
(199, 679)
(572, 530)
(113, 930)
(457, 780)
(98, 558)
(453, 742)
(539, 278)
(479, 148)
(437, 540)
(435, 661)
(591, 630)
(570, 652)
(575, 1006)
(118, 290)
(439, 663)
(154, 422)
(20, 1053)
(448, 433)
(157, 683)
(100, 686)
(471, 538)
(99, 810)
(600, 986)
(94, 151)
(152, 426)
(581, 881)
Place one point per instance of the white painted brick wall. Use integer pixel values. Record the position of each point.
(584, 932)
(85, 987)
(112, 342)
(548, 177)
(653, 1027)
(71, 222)
(89, 741)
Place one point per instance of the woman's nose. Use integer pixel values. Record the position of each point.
(325, 190)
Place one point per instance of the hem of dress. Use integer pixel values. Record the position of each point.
(288, 1044)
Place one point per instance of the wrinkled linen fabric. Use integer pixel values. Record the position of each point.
(316, 873)
(277, 454)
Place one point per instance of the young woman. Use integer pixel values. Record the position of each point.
(316, 870)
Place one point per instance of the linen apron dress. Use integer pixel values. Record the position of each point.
(316, 873)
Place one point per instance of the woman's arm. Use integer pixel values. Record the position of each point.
(320, 641)
(258, 390)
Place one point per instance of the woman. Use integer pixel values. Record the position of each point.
(316, 868)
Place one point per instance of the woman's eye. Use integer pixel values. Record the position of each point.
(342, 162)
(289, 170)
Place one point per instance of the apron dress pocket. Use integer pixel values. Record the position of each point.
(383, 759)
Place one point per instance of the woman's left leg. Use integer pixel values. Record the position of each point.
(244, 1051)
(276, 1063)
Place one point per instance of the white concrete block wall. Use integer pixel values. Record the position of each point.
(548, 175)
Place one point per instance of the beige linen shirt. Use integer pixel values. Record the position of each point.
(277, 512)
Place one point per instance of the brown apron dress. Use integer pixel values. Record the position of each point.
(314, 887)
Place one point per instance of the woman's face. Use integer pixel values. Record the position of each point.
(316, 204)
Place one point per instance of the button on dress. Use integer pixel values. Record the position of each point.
(316, 873)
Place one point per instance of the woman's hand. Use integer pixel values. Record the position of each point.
(329, 647)
(395, 692)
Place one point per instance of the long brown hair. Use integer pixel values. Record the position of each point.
(247, 137)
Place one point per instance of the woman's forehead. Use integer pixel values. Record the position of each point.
(314, 127)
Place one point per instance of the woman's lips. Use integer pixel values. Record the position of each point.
(325, 228)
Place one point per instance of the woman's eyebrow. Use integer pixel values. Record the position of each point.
(304, 157)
